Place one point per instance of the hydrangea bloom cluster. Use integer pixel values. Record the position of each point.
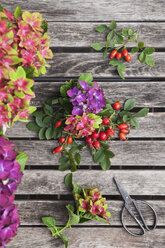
(10, 178)
(87, 99)
(80, 126)
(93, 202)
(24, 43)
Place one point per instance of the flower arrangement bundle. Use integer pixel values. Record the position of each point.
(12, 164)
(82, 112)
(89, 205)
(24, 46)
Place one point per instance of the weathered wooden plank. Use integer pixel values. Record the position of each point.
(147, 128)
(81, 34)
(136, 182)
(88, 10)
(31, 212)
(87, 238)
(138, 153)
(75, 64)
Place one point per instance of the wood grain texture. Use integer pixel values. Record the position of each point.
(87, 238)
(138, 153)
(136, 182)
(75, 64)
(79, 34)
(88, 10)
(31, 212)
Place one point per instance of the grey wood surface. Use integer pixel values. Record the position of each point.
(136, 182)
(86, 237)
(31, 212)
(89, 10)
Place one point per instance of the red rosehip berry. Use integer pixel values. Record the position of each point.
(125, 52)
(122, 126)
(103, 136)
(58, 149)
(117, 106)
(89, 140)
(96, 144)
(122, 136)
(128, 58)
(118, 56)
(106, 121)
(69, 140)
(95, 135)
(61, 140)
(124, 131)
(113, 54)
(110, 131)
(58, 124)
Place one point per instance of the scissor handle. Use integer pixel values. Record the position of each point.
(126, 207)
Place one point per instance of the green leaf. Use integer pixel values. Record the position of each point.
(122, 66)
(149, 61)
(134, 49)
(44, 26)
(48, 120)
(49, 222)
(32, 126)
(129, 104)
(101, 28)
(149, 50)
(78, 158)
(73, 218)
(113, 25)
(141, 44)
(130, 31)
(19, 94)
(68, 180)
(21, 159)
(1, 8)
(38, 114)
(120, 73)
(64, 167)
(89, 216)
(134, 122)
(109, 154)
(105, 53)
(97, 46)
(64, 89)
(39, 122)
(72, 162)
(143, 112)
(86, 77)
(119, 39)
(99, 156)
(49, 133)
(21, 73)
(108, 43)
(110, 35)
(105, 164)
(124, 31)
(18, 12)
(77, 189)
(64, 239)
(55, 101)
(74, 149)
(32, 109)
(42, 133)
(142, 57)
(48, 109)
(104, 145)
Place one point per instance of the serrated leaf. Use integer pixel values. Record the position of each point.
(40, 122)
(49, 222)
(119, 39)
(97, 46)
(48, 109)
(120, 73)
(38, 114)
(49, 133)
(110, 35)
(142, 57)
(149, 50)
(73, 218)
(129, 104)
(134, 49)
(122, 66)
(109, 154)
(32, 126)
(124, 31)
(99, 156)
(141, 44)
(64, 239)
(78, 158)
(42, 133)
(72, 162)
(105, 53)
(86, 77)
(149, 61)
(104, 145)
(105, 164)
(101, 28)
(21, 159)
(143, 112)
(68, 180)
(113, 25)
(134, 122)
(64, 167)
(48, 120)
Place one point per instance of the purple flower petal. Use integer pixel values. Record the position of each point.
(84, 85)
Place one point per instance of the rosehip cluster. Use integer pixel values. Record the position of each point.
(124, 129)
(119, 55)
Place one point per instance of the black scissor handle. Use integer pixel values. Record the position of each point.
(142, 226)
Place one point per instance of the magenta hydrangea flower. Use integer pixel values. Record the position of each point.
(88, 99)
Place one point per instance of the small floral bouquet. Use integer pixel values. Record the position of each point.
(12, 164)
(24, 46)
(82, 112)
(89, 205)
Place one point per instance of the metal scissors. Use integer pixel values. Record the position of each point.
(128, 202)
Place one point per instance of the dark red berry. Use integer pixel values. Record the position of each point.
(124, 131)
(117, 106)
(103, 136)
(95, 135)
(110, 131)
(125, 52)
(122, 126)
(58, 149)
(128, 58)
(106, 121)
(58, 124)
(122, 136)
(61, 140)
(69, 140)
(118, 56)
(96, 144)
(89, 140)
(113, 54)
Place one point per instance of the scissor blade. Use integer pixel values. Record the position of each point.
(123, 192)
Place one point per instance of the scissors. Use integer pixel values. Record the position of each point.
(128, 201)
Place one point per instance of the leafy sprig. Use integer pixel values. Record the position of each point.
(118, 40)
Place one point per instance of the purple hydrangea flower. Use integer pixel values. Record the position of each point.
(87, 100)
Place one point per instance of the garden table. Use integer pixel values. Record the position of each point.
(139, 162)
